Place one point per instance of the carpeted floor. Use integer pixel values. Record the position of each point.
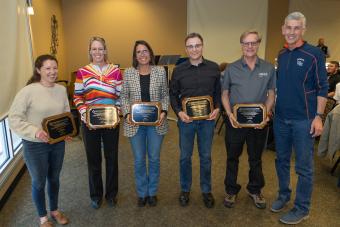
(75, 202)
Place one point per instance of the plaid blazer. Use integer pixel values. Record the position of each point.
(131, 92)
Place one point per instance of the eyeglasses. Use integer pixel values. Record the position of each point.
(197, 46)
(247, 44)
(142, 52)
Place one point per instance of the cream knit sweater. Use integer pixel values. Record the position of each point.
(32, 104)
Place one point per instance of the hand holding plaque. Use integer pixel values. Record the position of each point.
(102, 116)
(58, 127)
(145, 113)
(198, 108)
(250, 115)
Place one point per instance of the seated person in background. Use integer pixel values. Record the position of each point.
(333, 78)
(323, 47)
(333, 75)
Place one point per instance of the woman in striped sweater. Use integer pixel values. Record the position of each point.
(99, 83)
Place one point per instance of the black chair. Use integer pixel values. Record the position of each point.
(335, 165)
(224, 117)
(74, 110)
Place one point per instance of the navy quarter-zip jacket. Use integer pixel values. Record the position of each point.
(301, 77)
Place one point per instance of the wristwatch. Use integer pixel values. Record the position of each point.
(318, 114)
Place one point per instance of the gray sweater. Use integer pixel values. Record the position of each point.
(330, 138)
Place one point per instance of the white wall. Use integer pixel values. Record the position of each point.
(221, 23)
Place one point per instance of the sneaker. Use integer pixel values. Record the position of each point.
(95, 204)
(184, 198)
(293, 217)
(229, 200)
(112, 202)
(208, 200)
(141, 202)
(278, 205)
(152, 201)
(258, 199)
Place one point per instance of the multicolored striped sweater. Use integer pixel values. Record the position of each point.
(95, 87)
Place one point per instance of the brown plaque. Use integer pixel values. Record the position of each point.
(59, 126)
(102, 116)
(198, 107)
(145, 113)
(250, 115)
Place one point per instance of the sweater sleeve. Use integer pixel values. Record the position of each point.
(118, 77)
(66, 101)
(79, 90)
(17, 117)
(165, 91)
(321, 76)
(125, 95)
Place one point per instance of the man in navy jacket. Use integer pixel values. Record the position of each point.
(301, 97)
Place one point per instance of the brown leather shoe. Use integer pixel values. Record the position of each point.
(46, 224)
(60, 218)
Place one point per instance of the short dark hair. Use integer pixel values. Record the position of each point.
(134, 55)
(193, 35)
(36, 77)
(336, 63)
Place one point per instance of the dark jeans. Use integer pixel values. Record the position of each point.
(93, 140)
(205, 132)
(44, 161)
(234, 141)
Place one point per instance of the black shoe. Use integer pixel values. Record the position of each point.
(112, 202)
(152, 200)
(208, 200)
(142, 201)
(95, 204)
(184, 198)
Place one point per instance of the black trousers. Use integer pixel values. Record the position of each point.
(93, 141)
(234, 141)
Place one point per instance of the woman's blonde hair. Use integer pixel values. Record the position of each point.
(102, 41)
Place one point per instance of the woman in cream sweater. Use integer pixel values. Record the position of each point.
(41, 98)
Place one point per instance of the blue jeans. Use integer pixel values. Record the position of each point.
(295, 134)
(146, 141)
(44, 161)
(205, 133)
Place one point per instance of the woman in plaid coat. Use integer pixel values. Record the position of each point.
(147, 83)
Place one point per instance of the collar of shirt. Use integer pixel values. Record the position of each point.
(188, 63)
(100, 69)
(299, 44)
(244, 63)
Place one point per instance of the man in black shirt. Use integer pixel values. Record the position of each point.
(333, 75)
(195, 77)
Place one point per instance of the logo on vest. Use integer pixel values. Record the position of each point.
(300, 61)
(264, 74)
